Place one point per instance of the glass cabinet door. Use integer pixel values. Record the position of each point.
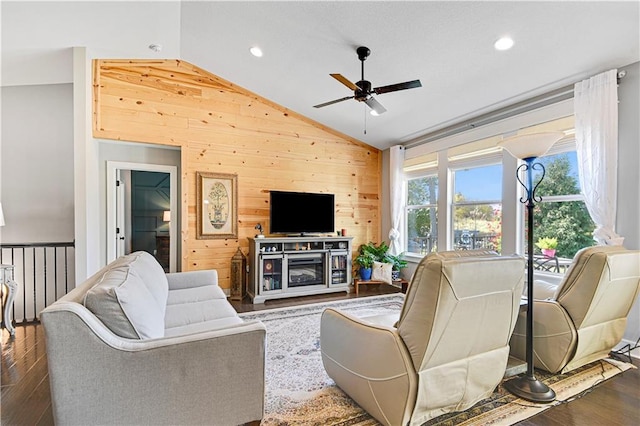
(339, 268)
(271, 273)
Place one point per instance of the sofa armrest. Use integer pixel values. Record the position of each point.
(366, 360)
(97, 377)
(181, 280)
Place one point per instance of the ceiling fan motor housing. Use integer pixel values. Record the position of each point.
(363, 91)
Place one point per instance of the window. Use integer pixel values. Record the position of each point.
(562, 213)
(477, 207)
(422, 214)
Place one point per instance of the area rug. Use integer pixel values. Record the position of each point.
(298, 391)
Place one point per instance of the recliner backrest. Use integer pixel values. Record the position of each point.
(458, 306)
(601, 285)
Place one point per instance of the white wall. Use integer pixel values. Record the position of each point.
(36, 162)
(628, 217)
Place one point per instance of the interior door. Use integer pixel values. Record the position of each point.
(142, 211)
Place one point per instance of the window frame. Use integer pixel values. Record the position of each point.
(424, 172)
(483, 159)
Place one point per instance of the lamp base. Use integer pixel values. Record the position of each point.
(531, 389)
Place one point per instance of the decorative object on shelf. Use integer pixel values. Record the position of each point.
(528, 148)
(259, 228)
(238, 276)
(548, 246)
(217, 205)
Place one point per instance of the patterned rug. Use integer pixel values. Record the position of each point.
(298, 391)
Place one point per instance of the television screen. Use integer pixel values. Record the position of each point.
(301, 213)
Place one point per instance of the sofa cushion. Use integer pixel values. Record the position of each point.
(199, 327)
(153, 276)
(196, 311)
(195, 294)
(122, 301)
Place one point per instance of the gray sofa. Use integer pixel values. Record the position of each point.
(133, 345)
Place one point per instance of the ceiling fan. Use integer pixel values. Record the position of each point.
(362, 91)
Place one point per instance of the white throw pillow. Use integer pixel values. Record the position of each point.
(381, 272)
(122, 301)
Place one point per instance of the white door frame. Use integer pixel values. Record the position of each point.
(112, 167)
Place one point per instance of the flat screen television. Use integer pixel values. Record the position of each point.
(301, 213)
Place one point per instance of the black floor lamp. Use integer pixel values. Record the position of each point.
(528, 148)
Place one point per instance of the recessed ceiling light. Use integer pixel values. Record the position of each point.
(155, 47)
(504, 43)
(256, 51)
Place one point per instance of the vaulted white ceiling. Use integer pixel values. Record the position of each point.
(447, 45)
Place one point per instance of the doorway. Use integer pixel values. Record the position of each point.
(142, 211)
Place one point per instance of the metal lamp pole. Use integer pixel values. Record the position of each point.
(527, 386)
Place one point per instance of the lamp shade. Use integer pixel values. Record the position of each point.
(532, 145)
(166, 216)
(1, 216)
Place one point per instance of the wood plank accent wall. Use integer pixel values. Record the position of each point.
(223, 128)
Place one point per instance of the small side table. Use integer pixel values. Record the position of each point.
(6, 280)
(403, 284)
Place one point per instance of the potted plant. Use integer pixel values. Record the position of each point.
(398, 263)
(548, 246)
(370, 253)
(378, 251)
(365, 260)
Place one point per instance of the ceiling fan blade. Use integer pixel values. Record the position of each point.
(375, 105)
(344, 80)
(332, 102)
(399, 86)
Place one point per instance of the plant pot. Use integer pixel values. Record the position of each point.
(395, 275)
(365, 274)
(549, 252)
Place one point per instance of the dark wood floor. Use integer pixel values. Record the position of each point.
(26, 400)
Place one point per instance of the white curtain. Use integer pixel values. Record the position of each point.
(596, 123)
(396, 197)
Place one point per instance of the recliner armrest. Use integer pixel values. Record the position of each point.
(366, 360)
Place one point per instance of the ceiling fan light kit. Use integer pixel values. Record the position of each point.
(363, 91)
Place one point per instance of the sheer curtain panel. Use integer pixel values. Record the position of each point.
(596, 123)
(396, 196)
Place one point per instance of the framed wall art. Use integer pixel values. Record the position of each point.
(217, 215)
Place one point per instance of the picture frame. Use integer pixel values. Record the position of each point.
(217, 212)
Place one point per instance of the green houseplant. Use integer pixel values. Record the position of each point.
(398, 263)
(370, 253)
(378, 251)
(365, 260)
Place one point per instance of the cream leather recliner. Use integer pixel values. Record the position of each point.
(584, 317)
(448, 349)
